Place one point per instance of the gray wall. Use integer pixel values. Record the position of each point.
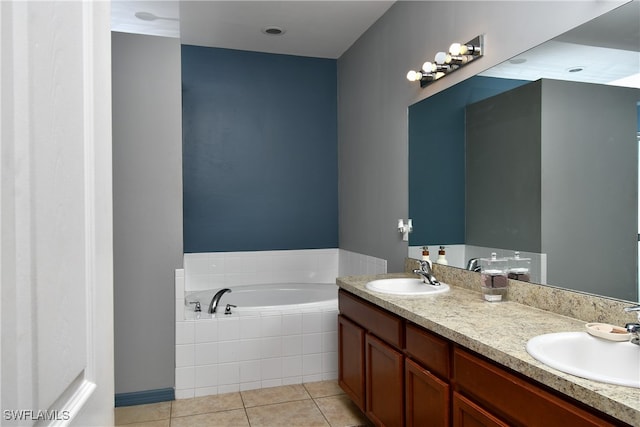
(147, 191)
(373, 96)
(589, 187)
(551, 171)
(503, 185)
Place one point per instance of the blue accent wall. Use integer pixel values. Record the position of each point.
(260, 165)
(437, 159)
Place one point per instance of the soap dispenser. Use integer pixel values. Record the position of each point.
(425, 255)
(441, 257)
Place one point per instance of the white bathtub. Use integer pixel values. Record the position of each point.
(279, 334)
(265, 297)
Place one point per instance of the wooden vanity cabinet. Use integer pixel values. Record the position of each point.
(426, 397)
(384, 367)
(398, 391)
(370, 361)
(468, 414)
(351, 360)
(514, 398)
(400, 374)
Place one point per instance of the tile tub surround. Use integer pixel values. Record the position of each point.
(242, 352)
(213, 270)
(499, 331)
(257, 350)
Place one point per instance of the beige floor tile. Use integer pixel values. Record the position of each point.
(158, 423)
(268, 396)
(206, 404)
(234, 418)
(341, 411)
(323, 388)
(303, 413)
(142, 413)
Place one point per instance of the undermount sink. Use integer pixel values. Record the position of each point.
(405, 286)
(586, 356)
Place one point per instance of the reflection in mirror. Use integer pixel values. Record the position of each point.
(562, 186)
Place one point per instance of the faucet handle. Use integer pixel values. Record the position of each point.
(197, 307)
(425, 265)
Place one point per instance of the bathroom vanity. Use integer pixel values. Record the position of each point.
(454, 359)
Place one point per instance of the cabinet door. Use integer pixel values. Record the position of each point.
(351, 360)
(468, 414)
(426, 397)
(384, 383)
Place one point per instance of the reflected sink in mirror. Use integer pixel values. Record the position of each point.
(582, 355)
(405, 286)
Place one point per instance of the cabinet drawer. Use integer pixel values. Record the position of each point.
(430, 350)
(513, 398)
(384, 325)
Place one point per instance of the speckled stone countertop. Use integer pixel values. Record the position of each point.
(500, 332)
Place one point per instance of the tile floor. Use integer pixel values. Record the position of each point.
(305, 405)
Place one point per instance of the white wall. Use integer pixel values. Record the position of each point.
(373, 96)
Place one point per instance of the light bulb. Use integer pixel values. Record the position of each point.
(458, 49)
(429, 67)
(442, 58)
(414, 76)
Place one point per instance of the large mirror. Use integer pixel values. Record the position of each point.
(563, 186)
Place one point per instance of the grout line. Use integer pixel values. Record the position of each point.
(322, 413)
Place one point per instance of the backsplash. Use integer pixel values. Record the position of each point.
(578, 305)
(458, 255)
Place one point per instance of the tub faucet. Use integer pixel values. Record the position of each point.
(426, 273)
(216, 299)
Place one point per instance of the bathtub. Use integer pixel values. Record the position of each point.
(265, 297)
(278, 334)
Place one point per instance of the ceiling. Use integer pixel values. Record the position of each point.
(322, 29)
(605, 49)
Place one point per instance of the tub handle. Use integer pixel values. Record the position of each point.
(227, 309)
(198, 307)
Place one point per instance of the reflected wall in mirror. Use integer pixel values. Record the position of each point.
(562, 187)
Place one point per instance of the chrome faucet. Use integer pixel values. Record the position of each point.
(426, 273)
(474, 265)
(633, 328)
(216, 299)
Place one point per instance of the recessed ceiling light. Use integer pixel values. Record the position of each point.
(273, 31)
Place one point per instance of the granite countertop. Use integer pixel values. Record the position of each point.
(500, 332)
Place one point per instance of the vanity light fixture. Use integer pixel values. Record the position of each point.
(459, 54)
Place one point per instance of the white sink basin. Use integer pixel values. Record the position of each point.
(405, 286)
(580, 354)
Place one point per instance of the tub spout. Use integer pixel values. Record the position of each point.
(216, 299)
